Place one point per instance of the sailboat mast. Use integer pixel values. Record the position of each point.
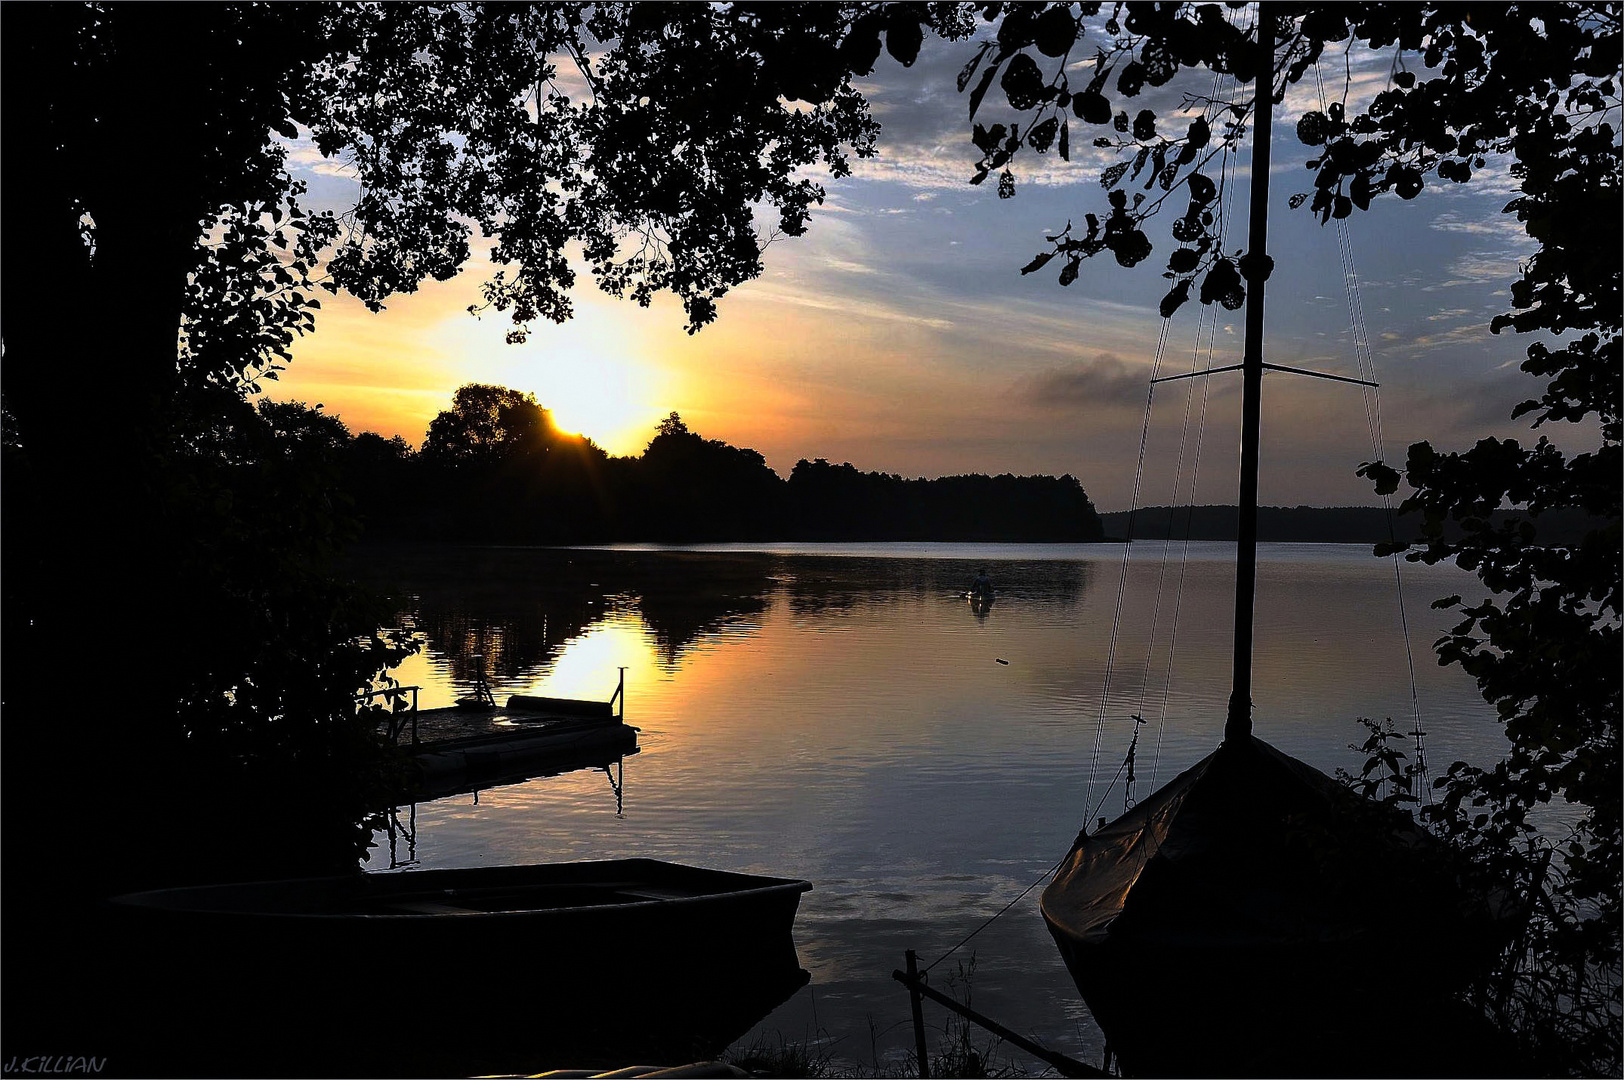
(1255, 268)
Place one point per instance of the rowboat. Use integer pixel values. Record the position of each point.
(459, 971)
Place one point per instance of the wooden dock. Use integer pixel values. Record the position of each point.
(472, 746)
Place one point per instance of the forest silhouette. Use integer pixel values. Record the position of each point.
(495, 468)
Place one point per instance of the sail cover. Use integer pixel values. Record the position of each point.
(1236, 845)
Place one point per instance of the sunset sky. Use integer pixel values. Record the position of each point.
(899, 335)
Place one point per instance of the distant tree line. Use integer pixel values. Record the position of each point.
(495, 468)
(1324, 524)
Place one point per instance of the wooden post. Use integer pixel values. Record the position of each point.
(620, 695)
(1062, 1064)
(918, 1015)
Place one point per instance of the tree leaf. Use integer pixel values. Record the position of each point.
(1175, 298)
(1039, 262)
(1022, 82)
(1132, 79)
(969, 69)
(1055, 30)
(903, 38)
(1092, 107)
(981, 88)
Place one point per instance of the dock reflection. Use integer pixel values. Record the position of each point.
(401, 833)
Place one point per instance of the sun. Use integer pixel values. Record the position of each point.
(594, 373)
(604, 399)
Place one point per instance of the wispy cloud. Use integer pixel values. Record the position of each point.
(304, 157)
(851, 308)
(1103, 380)
(1502, 227)
(1479, 268)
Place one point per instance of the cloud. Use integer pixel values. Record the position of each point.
(852, 307)
(1493, 179)
(1501, 226)
(304, 157)
(1480, 268)
(1104, 380)
(1352, 76)
(1489, 405)
(1475, 332)
(901, 338)
(847, 266)
(925, 137)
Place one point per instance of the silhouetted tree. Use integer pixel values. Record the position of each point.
(173, 284)
(1540, 83)
(177, 290)
(690, 488)
(496, 468)
(301, 428)
(488, 424)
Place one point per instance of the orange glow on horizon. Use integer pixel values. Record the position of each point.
(602, 375)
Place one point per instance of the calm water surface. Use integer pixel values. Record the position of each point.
(839, 713)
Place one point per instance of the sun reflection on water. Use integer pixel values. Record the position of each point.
(588, 664)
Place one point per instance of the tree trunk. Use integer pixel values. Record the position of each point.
(89, 376)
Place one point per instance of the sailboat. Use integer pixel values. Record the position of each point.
(1254, 916)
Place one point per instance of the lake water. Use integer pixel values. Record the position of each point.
(839, 713)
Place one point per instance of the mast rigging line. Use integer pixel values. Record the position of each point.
(1161, 577)
(1122, 573)
(1189, 515)
(996, 915)
(1365, 358)
(1225, 174)
(1226, 168)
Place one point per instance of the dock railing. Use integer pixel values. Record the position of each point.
(617, 700)
(398, 717)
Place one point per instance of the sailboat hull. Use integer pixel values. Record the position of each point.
(1256, 918)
